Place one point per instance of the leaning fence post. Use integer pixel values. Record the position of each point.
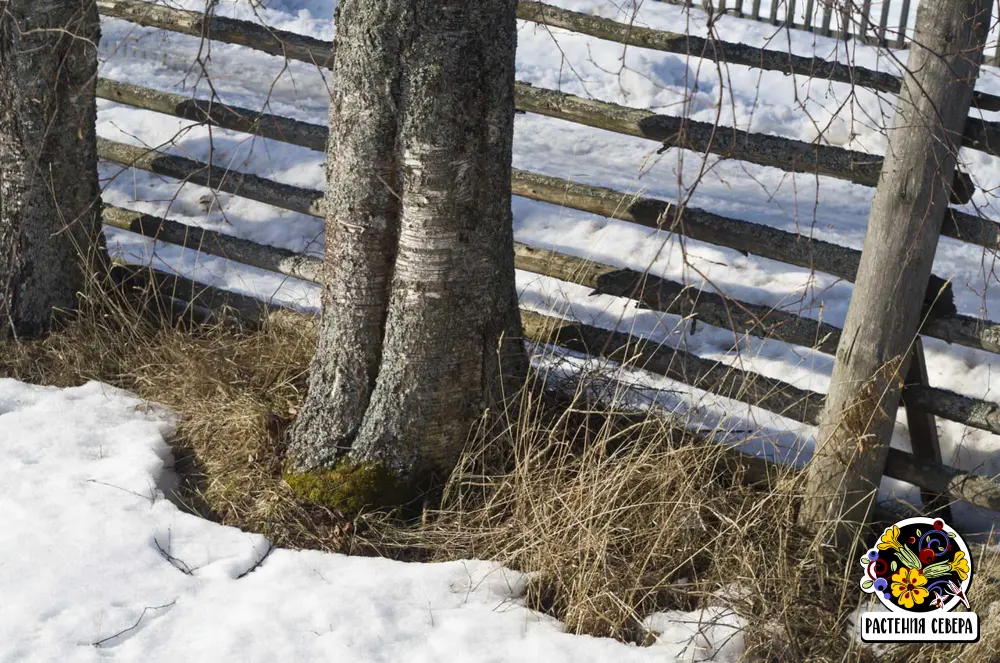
(905, 222)
(923, 431)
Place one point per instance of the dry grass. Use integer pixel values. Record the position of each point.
(615, 516)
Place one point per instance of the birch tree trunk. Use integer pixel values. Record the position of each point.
(362, 226)
(50, 228)
(438, 342)
(906, 216)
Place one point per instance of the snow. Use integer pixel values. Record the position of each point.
(767, 102)
(97, 564)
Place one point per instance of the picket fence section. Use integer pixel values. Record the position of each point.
(652, 292)
(885, 23)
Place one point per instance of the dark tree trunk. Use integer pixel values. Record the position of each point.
(50, 229)
(907, 213)
(431, 353)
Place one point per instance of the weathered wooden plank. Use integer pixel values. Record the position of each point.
(984, 415)
(682, 44)
(745, 386)
(790, 155)
(827, 19)
(668, 296)
(307, 49)
(866, 8)
(976, 489)
(233, 31)
(924, 441)
(239, 250)
(216, 177)
(959, 225)
(711, 376)
(904, 20)
(199, 299)
(265, 125)
(650, 291)
(883, 23)
(845, 20)
(905, 222)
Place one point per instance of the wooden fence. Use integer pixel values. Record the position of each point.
(865, 20)
(652, 292)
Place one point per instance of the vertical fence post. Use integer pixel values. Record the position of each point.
(739, 8)
(755, 10)
(827, 18)
(866, 8)
(808, 23)
(907, 212)
(904, 19)
(883, 23)
(845, 19)
(790, 14)
(923, 431)
(774, 12)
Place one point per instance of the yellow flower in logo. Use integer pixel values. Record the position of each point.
(890, 539)
(960, 565)
(908, 587)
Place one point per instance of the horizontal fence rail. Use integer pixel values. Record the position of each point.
(743, 236)
(794, 156)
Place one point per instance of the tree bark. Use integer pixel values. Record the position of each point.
(421, 329)
(362, 226)
(454, 304)
(50, 223)
(906, 217)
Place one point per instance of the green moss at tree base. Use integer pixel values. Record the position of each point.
(348, 488)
